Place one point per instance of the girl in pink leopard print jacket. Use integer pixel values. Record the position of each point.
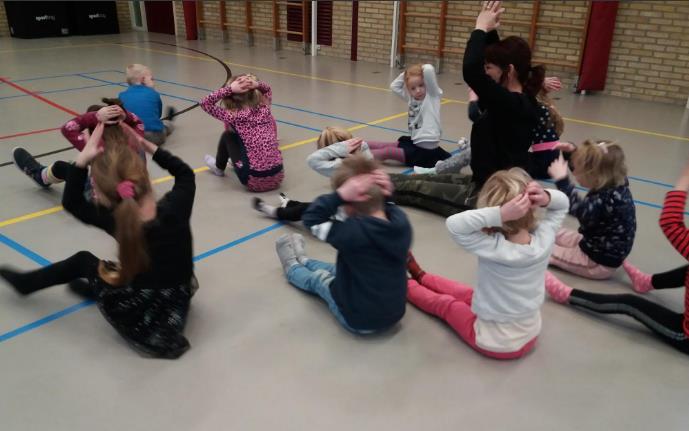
(250, 139)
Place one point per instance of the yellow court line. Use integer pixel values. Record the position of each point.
(30, 216)
(371, 87)
(59, 208)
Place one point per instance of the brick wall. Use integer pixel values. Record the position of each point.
(4, 28)
(124, 17)
(551, 44)
(178, 10)
(650, 52)
(375, 31)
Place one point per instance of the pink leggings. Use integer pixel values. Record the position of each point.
(451, 301)
(567, 255)
(386, 150)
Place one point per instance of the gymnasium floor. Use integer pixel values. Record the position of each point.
(265, 356)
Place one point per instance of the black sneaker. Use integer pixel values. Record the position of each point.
(170, 113)
(26, 163)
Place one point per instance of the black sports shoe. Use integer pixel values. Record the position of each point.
(170, 113)
(27, 164)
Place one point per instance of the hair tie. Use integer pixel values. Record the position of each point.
(126, 189)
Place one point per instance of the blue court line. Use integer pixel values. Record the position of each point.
(55, 91)
(645, 180)
(76, 307)
(57, 76)
(23, 250)
(236, 242)
(294, 108)
(196, 101)
(84, 75)
(45, 320)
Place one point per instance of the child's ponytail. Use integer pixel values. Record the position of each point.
(534, 82)
(129, 234)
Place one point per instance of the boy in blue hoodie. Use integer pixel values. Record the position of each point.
(144, 101)
(366, 289)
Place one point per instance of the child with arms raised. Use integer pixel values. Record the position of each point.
(146, 295)
(606, 214)
(365, 291)
(501, 317)
(418, 86)
(250, 140)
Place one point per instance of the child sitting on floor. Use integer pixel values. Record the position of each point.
(501, 317)
(144, 101)
(366, 290)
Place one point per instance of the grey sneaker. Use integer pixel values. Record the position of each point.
(284, 246)
(299, 247)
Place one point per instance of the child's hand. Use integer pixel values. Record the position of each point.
(558, 170)
(353, 145)
(382, 180)
(551, 84)
(537, 195)
(516, 208)
(356, 188)
(109, 114)
(473, 97)
(565, 146)
(489, 17)
(92, 147)
(240, 86)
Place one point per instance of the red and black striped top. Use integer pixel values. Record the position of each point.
(672, 224)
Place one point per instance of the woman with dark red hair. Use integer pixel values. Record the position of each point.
(501, 74)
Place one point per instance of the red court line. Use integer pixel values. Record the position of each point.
(41, 98)
(33, 132)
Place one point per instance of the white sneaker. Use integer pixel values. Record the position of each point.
(210, 162)
(463, 143)
(421, 170)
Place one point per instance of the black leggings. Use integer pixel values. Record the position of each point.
(80, 265)
(670, 279)
(59, 170)
(293, 211)
(229, 147)
(665, 323)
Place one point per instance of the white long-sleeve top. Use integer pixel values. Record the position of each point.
(424, 115)
(326, 160)
(511, 276)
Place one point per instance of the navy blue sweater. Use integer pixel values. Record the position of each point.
(370, 285)
(607, 220)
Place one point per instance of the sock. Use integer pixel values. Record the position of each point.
(284, 200)
(414, 268)
(261, 206)
(641, 282)
(210, 162)
(557, 290)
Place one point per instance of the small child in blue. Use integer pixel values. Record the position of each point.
(366, 291)
(144, 101)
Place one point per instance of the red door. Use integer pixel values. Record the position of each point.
(159, 17)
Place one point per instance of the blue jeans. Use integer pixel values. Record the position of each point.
(316, 277)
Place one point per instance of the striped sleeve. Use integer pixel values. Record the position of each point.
(672, 221)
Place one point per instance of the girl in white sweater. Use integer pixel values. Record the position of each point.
(501, 317)
(418, 86)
